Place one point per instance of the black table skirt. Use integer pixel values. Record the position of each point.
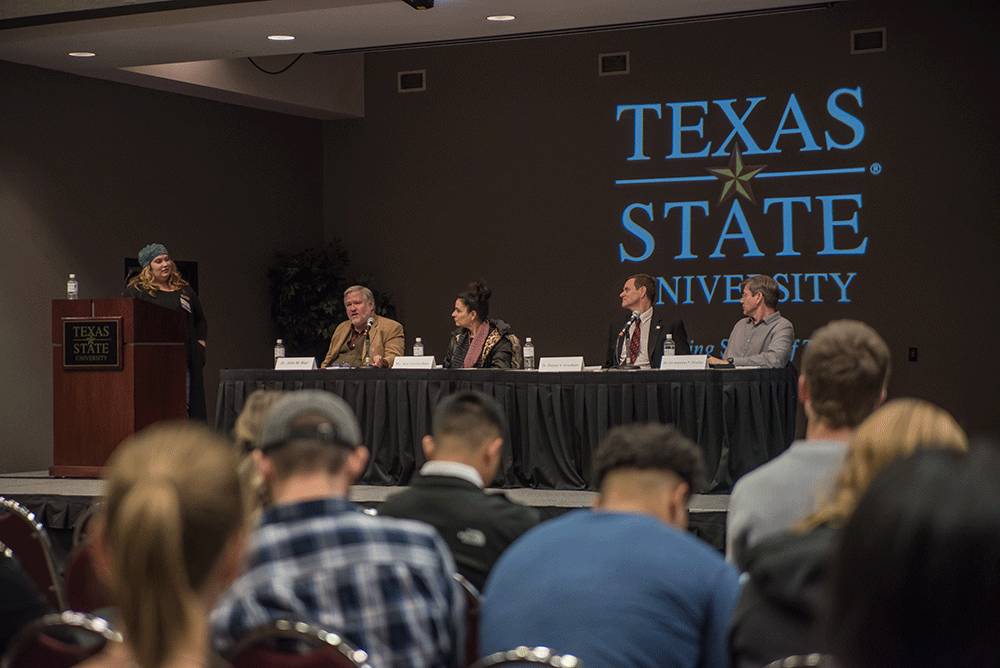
(740, 418)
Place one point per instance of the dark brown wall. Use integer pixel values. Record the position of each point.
(504, 169)
(90, 171)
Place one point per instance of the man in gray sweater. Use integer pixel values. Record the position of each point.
(845, 369)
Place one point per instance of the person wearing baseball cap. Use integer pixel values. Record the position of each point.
(386, 585)
(159, 282)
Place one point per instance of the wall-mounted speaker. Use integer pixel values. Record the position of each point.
(413, 81)
(869, 40)
(610, 64)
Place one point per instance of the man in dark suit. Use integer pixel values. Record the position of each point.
(463, 455)
(640, 342)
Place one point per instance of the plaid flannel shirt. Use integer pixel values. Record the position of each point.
(384, 584)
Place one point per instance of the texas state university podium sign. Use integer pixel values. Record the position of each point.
(118, 365)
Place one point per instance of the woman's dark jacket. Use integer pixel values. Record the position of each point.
(781, 609)
(498, 350)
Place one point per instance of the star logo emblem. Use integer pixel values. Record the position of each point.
(736, 177)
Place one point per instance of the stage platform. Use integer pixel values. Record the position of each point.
(59, 502)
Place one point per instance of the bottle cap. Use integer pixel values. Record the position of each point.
(72, 275)
(527, 340)
(419, 339)
(279, 342)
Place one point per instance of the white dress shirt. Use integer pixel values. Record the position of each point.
(642, 361)
(452, 470)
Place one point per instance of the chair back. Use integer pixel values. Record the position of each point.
(85, 591)
(522, 655)
(472, 608)
(59, 640)
(290, 644)
(23, 534)
(803, 661)
(81, 529)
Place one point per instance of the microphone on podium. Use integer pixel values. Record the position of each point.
(368, 325)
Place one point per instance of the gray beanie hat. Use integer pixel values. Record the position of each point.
(151, 252)
(339, 428)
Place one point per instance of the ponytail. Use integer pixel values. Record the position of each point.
(173, 505)
(149, 581)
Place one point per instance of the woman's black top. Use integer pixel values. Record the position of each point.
(185, 300)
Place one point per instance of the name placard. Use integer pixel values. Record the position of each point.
(684, 362)
(92, 343)
(549, 364)
(295, 364)
(411, 362)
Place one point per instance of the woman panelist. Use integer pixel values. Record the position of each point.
(479, 342)
(160, 283)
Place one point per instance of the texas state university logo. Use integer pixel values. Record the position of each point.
(796, 179)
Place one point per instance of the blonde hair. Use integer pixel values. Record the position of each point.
(894, 431)
(173, 503)
(144, 279)
(245, 432)
(251, 418)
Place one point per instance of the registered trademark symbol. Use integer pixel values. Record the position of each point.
(876, 168)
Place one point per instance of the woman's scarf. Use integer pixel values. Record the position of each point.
(476, 346)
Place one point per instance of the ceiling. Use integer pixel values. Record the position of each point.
(128, 44)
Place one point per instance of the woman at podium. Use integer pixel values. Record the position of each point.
(160, 283)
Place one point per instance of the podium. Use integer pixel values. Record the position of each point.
(118, 365)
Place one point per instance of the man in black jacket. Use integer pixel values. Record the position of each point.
(463, 456)
(640, 342)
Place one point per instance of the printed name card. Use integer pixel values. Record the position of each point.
(684, 362)
(295, 364)
(413, 362)
(560, 364)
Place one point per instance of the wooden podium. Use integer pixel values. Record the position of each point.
(118, 365)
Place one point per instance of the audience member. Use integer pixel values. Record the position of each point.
(171, 538)
(845, 369)
(245, 433)
(916, 576)
(384, 584)
(623, 584)
(782, 602)
(463, 456)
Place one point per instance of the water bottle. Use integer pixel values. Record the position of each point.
(72, 288)
(418, 347)
(529, 354)
(279, 351)
(668, 346)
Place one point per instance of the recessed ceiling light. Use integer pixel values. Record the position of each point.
(281, 38)
(81, 54)
(501, 17)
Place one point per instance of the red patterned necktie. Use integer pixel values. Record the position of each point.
(633, 343)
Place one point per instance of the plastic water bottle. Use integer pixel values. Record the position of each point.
(279, 351)
(72, 288)
(668, 346)
(529, 354)
(418, 347)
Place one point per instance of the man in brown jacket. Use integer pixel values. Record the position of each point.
(365, 338)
